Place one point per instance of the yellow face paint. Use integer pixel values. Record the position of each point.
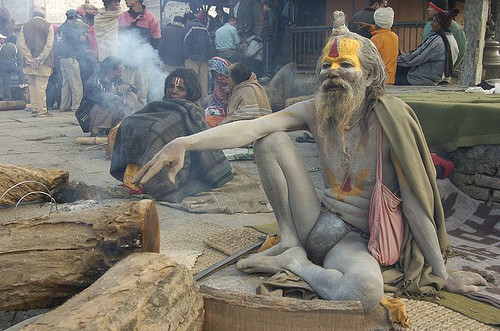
(340, 50)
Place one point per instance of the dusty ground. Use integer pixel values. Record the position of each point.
(51, 143)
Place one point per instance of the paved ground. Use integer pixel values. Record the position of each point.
(51, 143)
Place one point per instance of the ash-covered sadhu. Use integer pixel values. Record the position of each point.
(325, 238)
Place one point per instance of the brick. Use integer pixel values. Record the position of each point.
(475, 192)
(487, 181)
(461, 179)
(486, 169)
(496, 196)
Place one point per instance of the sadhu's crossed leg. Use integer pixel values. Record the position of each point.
(348, 271)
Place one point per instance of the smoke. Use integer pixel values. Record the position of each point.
(136, 53)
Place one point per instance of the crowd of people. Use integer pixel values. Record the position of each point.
(433, 61)
(85, 66)
(57, 61)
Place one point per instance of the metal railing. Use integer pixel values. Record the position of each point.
(307, 42)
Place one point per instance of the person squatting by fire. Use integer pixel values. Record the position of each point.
(325, 239)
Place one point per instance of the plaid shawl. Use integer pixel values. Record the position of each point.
(144, 133)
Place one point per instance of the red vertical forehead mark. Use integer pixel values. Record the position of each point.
(334, 50)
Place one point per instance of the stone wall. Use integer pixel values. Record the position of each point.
(477, 172)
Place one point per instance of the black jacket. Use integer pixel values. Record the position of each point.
(68, 41)
(197, 43)
(245, 17)
(171, 44)
(270, 28)
(366, 16)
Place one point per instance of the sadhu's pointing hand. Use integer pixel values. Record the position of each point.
(171, 156)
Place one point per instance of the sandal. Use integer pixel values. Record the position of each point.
(305, 138)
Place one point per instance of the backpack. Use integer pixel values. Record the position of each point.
(82, 114)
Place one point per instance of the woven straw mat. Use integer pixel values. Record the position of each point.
(215, 242)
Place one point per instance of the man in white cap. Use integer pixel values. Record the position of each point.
(386, 41)
(366, 16)
(36, 41)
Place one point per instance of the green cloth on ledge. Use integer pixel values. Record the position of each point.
(456, 119)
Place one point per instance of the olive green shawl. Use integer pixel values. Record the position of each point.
(411, 157)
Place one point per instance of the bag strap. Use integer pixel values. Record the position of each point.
(379, 152)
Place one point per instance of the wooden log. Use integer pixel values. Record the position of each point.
(77, 190)
(12, 105)
(46, 260)
(144, 291)
(11, 175)
(234, 310)
(92, 140)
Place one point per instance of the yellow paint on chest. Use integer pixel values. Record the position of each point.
(339, 188)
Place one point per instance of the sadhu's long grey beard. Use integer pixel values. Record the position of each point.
(336, 102)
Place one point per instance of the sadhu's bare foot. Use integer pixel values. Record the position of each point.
(276, 249)
(465, 281)
(273, 264)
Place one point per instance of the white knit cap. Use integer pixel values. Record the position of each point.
(384, 17)
(2, 36)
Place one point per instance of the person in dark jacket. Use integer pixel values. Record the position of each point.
(243, 11)
(366, 16)
(11, 62)
(68, 49)
(171, 44)
(219, 20)
(198, 49)
(107, 99)
(269, 38)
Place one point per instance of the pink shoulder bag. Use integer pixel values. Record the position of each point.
(385, 219)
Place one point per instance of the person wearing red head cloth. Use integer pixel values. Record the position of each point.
(432, 60)
(436, 6)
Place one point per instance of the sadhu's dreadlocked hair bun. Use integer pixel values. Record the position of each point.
(338, 22)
